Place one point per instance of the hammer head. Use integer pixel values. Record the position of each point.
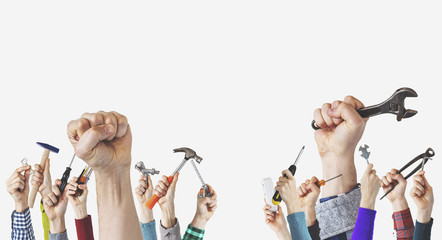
(189, 154)
(49, 147)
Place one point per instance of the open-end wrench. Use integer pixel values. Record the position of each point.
(394, 105)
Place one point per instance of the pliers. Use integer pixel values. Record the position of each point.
(394, 105)
(424, 156)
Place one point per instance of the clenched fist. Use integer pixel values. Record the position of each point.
(103, 140)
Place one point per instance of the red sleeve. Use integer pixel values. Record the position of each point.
(403, 224)
(84, 228)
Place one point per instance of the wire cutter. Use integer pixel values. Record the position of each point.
(424, 156)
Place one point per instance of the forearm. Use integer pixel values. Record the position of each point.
(310, 215)
(117, 216)
(284, 234)
(168, 219)
(399, 205)
(335, 164)
(424, 215)
(80, 212)
(146, 215)
(199, 222)
(21, 206)
(57, 225)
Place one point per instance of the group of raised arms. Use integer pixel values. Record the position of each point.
(103, 140)
(347, 208)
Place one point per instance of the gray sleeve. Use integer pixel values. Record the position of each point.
(172, 233)
(58, 236)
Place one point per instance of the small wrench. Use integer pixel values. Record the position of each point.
(394, 105)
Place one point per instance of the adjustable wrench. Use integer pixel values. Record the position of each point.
(394, 105)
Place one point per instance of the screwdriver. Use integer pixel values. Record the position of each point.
(322, 182)
(83, 179)
(64, 179)
(276, 199)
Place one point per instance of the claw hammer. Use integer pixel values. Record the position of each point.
(189, 154)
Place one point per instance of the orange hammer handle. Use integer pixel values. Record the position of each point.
(154, 199)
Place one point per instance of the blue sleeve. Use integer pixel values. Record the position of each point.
(364, 224)
(298, 226)
(149, 230)
(22, 226)
(423, 230)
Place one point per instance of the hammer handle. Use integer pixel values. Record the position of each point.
(34, 188)
(154, 199)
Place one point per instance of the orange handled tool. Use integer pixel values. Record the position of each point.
(322, 182)
(189, 154)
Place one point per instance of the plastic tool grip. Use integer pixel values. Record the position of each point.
(276, 199)
(154, 199)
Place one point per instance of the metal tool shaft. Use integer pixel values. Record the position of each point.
(197, 172)
(72, 160)
(179, 167)
(299, 155)
(333, 178)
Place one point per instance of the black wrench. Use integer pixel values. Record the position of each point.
(395, 105)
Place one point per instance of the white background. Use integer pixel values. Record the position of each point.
(235, 80)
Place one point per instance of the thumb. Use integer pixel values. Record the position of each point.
(91, 138)
(174, 181)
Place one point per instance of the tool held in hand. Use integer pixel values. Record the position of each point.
(83, 179)
(65, 178)
(47, 149)
(394, 105)
(276, 199)
(145, 171)
(424, 156)
(204, 191)
(322, 182)
(364, 152)
(189, 154)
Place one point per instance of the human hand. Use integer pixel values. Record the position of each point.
(77, 202)
(205, 208)
(166, 194)
(397, 196)
(370, 185)
(422, 194)
(18, 187)
(42, 178)
(144, 192)
(103, 140)
(309, 192)
(276, 220)
(341, 127)
(287, 190)
(56, 208)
